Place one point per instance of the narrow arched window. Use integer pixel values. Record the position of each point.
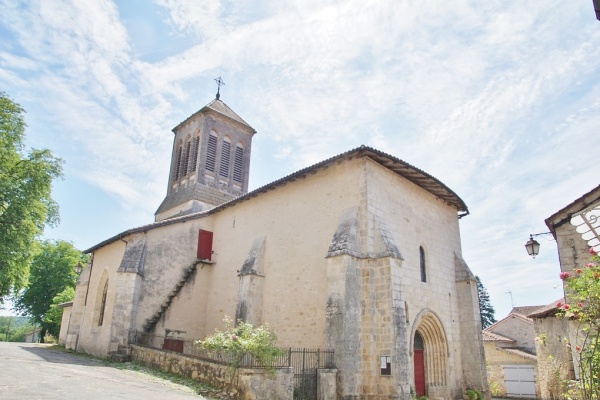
(423, 266)
(194, 159)
(225, 157)
(211, 152)
(186, 159)
(177, 171)
(238, 163)
(103, 304)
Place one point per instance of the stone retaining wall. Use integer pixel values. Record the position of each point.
(250, 384)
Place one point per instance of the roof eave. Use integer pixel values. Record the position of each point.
(449, 196)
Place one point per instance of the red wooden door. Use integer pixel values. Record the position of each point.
(419, 372)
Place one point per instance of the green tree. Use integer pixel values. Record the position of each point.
(18, 334)
(52, 270)
(13, 329)
(26, 205)
(582, 290)
(485, 306)
(53, 316)
(6, 323)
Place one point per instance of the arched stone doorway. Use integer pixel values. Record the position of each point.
(430, 355)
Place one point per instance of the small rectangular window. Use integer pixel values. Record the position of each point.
(385, 365)
(205, 239)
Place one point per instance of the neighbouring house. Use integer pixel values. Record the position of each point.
(575, 228)
(510, 354)
(360, 253)
(33, 336)
(66, 319)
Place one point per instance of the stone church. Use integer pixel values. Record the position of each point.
(360, 253)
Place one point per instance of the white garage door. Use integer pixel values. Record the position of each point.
(519, 381)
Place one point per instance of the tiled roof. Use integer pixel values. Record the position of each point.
(396, 165)
(518, 352)
(546, 311)
(221, 108)
(525, 310)
(567, 212)
(494, 337)
(509, 316)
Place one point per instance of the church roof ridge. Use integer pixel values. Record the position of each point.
(398, 166)
(218, 106)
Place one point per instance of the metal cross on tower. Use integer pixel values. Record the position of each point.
(219, 84)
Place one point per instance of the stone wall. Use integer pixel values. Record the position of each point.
(250, 384)
(554, 357)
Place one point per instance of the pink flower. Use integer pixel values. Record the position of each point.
(580, 305)
(578, 271)
(596, 275)
(559, 304)
(566, 307)
(577, 349)
(564, 275)
(592, 251)
(590, 265)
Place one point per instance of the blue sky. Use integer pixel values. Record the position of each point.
(498, 99)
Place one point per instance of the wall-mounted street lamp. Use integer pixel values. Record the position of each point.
(78, 268)
(532, 246)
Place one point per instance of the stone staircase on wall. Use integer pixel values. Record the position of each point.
(187, 273)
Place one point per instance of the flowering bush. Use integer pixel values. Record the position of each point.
(241, 340)
(582, 291)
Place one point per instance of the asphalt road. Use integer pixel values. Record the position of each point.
(32, 371)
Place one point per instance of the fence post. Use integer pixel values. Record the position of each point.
(318, 358)
(290, 357)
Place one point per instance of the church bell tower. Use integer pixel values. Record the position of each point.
(210, 160)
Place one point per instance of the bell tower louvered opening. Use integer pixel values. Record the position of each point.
(210, 161)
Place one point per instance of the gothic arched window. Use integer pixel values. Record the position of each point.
(422, 264)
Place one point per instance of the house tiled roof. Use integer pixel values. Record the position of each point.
(525, 310)
(565, 214)
(546, 311)
(518, 352)
(494, 337)
(512, 314)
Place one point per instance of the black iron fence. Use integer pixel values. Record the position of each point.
(299, 358)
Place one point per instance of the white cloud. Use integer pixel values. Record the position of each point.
(498, 99)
